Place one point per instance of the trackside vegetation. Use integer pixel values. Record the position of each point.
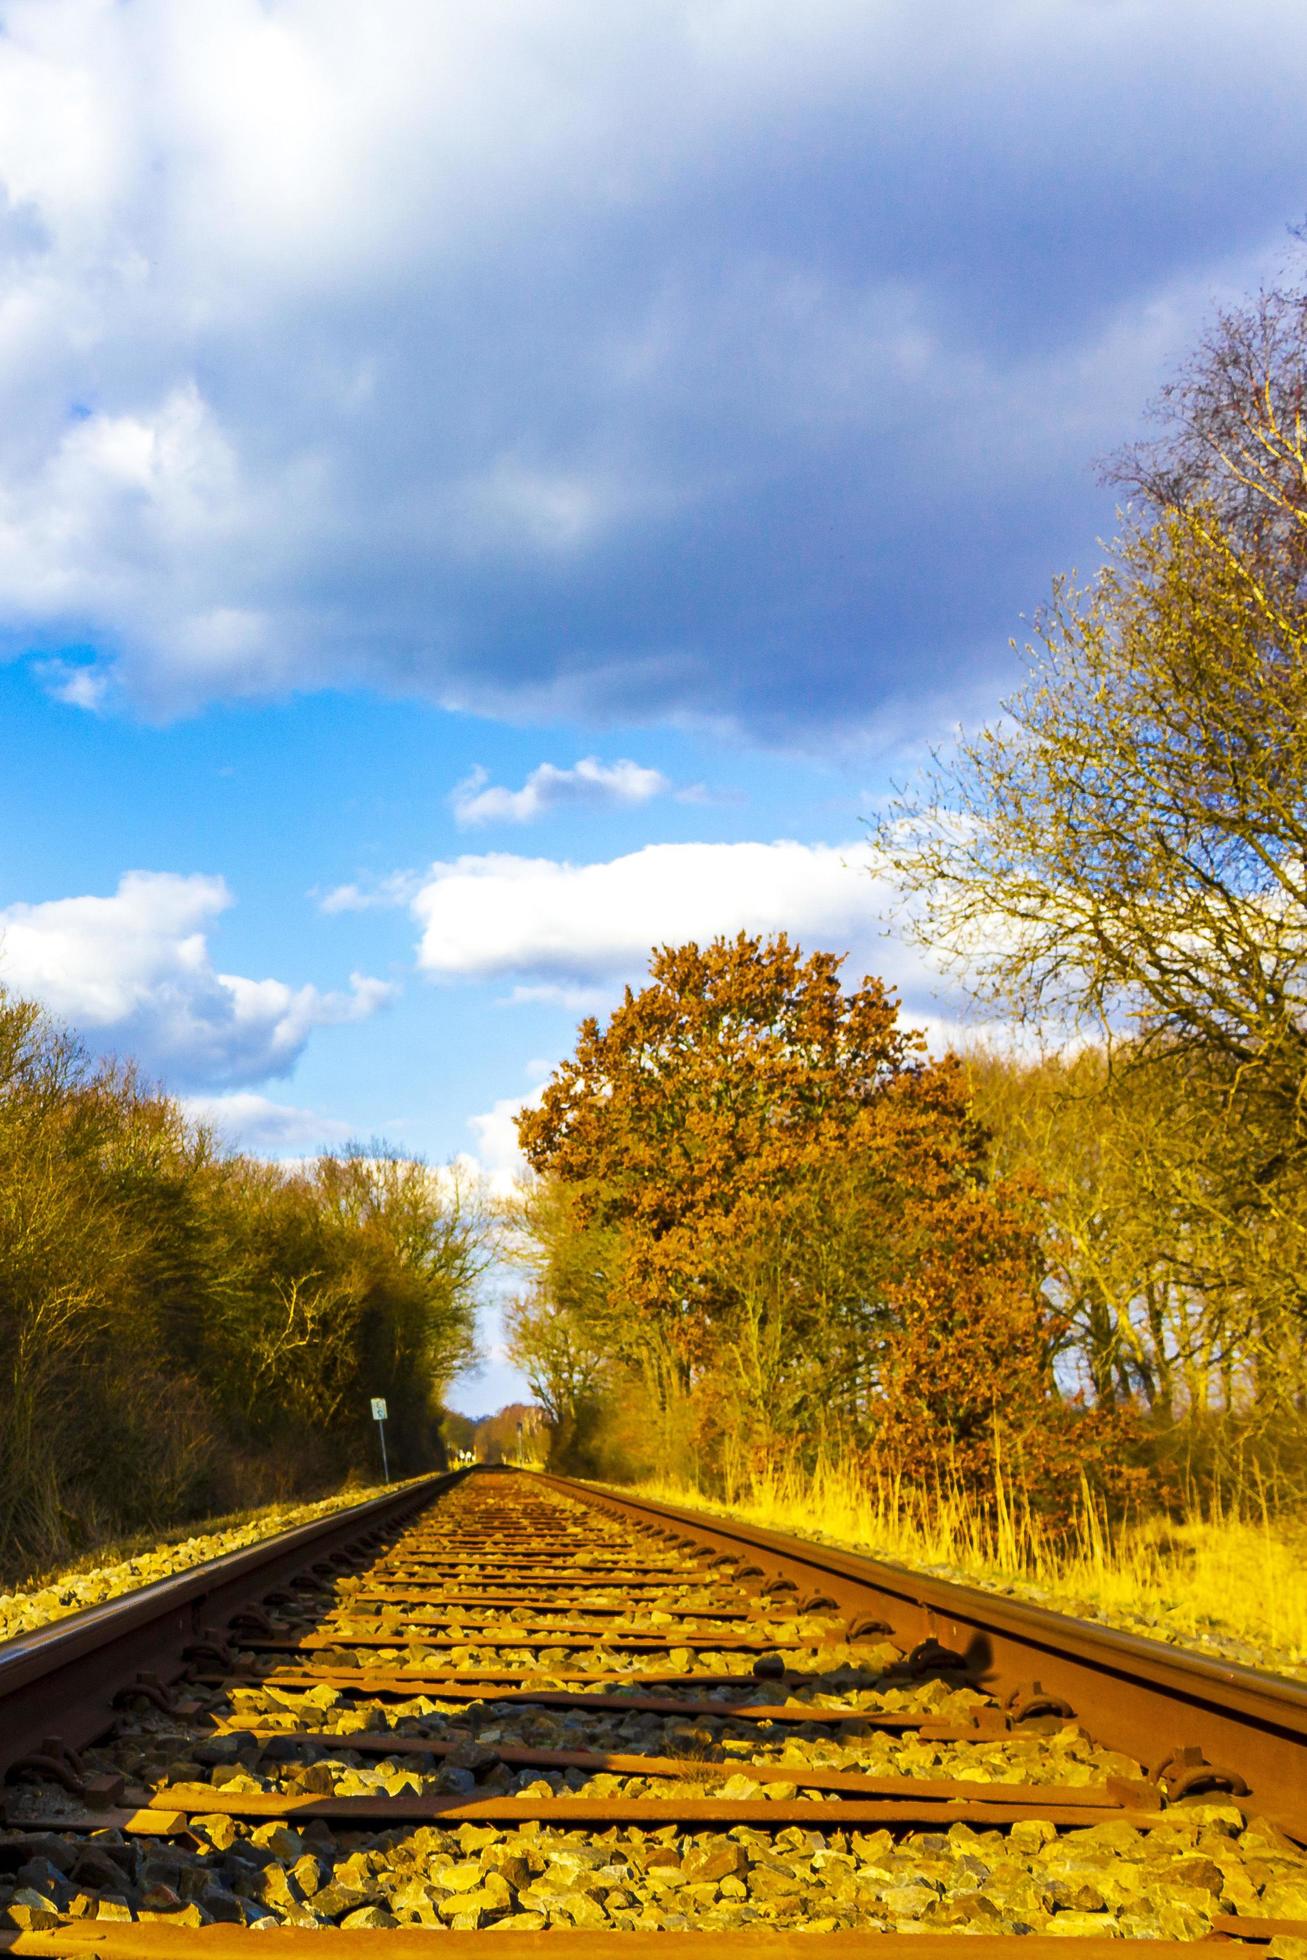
(1121, 862)
(766, 1230)
(769, 1239)
(185, 1331)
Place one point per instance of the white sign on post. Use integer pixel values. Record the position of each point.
(379, 1417)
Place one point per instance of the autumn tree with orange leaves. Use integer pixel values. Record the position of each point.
(796, 1241)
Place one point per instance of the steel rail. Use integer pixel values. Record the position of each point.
(60, 1679)
(158, 1941)
(1136, 1695)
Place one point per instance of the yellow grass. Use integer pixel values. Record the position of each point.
(1234, 1582)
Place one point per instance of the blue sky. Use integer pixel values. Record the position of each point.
(486, 489)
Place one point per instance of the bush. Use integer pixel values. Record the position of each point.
(183, 1331)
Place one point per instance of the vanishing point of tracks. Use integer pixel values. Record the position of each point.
(499, 1707)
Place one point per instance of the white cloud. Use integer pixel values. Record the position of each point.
(478, 801)
(76, 686)
(398, 888)
(546, 921)
(572, 935)
(133, 972)
(253, 1122)
(133, 521)
(497, 1157)
(490, 353)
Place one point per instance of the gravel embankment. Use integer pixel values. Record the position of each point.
(86, 1584)
(1171, 1879)
(1106, 1879)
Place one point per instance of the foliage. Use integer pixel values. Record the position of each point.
(182, 1330)
(763, 1223)
(514, 1434)
(574, 1260)
(1125, 855)
(1224, 1576)
(1171, 1306)
(561, 1335)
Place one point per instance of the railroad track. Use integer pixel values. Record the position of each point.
(498, 1705)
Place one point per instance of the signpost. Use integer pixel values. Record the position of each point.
(379, 1417)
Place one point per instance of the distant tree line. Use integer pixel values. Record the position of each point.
(185, 1331)
(763, 1223)
(517, 1434)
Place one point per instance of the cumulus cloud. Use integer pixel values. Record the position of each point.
(76, 686)
(497, 1157)
(540, 919)
(477, 800)
(256, 1123)
(494, 354)
(133, 973)
(396, 888)
(574, 934)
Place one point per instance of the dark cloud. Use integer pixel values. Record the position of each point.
(718, 361)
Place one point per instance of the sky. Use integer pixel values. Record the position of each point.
(484, 491)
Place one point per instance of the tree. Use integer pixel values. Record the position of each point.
(1133, 834)
(698, 1095)
(767, 1159)
(560, 1333)
(1132, 838)
(183, 1332)
(514, 1434)
(1233, 431)
(1106, 1147)
(1126, 850)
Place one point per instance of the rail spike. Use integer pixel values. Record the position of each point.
(863, 1625)
(1186, 1772)
(146, 1687)
(55, 1762)
(1032, 1700)
(929, 1657)
(506, 1605)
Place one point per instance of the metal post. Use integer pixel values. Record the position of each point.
(379, 1417)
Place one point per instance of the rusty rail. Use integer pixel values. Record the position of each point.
(1213, 1721)
(1195, 1726)
(53, 1681)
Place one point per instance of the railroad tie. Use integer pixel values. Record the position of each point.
(515, 1703)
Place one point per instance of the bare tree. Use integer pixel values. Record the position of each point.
(1126, 848)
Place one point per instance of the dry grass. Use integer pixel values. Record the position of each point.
(1232, 1582)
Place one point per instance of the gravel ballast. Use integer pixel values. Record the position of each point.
(87, 1584)
(1195, 1861)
